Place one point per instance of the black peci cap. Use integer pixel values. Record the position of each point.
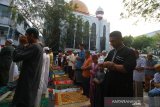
(116, 34)
(33, 31)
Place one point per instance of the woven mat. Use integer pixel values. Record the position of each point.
(82, 104)
(66, 98)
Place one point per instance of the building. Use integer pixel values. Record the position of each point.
(99, 28)
(5, 21)
(9, 27)
(96, 38)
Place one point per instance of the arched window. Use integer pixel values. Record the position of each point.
(93, 37)
(86, 35)
(79, 34)
(103, 39)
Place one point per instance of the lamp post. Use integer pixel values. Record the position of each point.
(74, 37)
(82, 34)
(61, 27)
(89, 39)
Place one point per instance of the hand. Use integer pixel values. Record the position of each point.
(109, 65)
(148, 68)
(83, 68)
(78, 58)
(23, 40)
(157, 67)
(101, 66)
(95, 80)
(73, 62)
(139, 69)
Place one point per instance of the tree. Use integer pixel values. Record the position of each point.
(128, 41)
(31, 10)
(148, 9)
(71, 31)
(73, 28)
(142, 42)
(79, 32)
(54, 17)
(156, 40)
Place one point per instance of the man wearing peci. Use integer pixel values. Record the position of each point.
(29, 79)
(120, 62)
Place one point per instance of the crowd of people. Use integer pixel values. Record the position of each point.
(120, 72)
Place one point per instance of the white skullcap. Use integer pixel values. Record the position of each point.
(10, 41)
(46, 49)
(104, 51)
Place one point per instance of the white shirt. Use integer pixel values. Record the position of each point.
(44, 79)
(13, 72)
(46, 75)
(139, 76)
(101, 59)
(71, 60)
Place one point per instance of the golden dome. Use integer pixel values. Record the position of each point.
(79, 6)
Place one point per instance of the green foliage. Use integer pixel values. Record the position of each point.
(86, 34)
(148, 9)
(71, 30)
(156, 41)
(128, 41)
(53, 17)
(31, 10)
(20, 18)
(142, 42)
(58, 17)
(79, 32)
(14, 12)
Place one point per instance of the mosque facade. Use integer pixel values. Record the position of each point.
(97, 37)
(99, 28)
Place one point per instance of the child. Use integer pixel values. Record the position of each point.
(156, 91)
(99, 77)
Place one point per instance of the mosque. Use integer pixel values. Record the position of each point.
(99, 28)
(96, 38)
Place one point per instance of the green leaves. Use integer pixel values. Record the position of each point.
(148, 9)
(56, 19)
(128, 41)
(142, 42)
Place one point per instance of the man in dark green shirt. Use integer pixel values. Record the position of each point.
(29, 79)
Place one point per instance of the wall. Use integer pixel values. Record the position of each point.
(99, 28)
(5, 2)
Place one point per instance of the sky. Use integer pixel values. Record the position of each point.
(112, 10)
